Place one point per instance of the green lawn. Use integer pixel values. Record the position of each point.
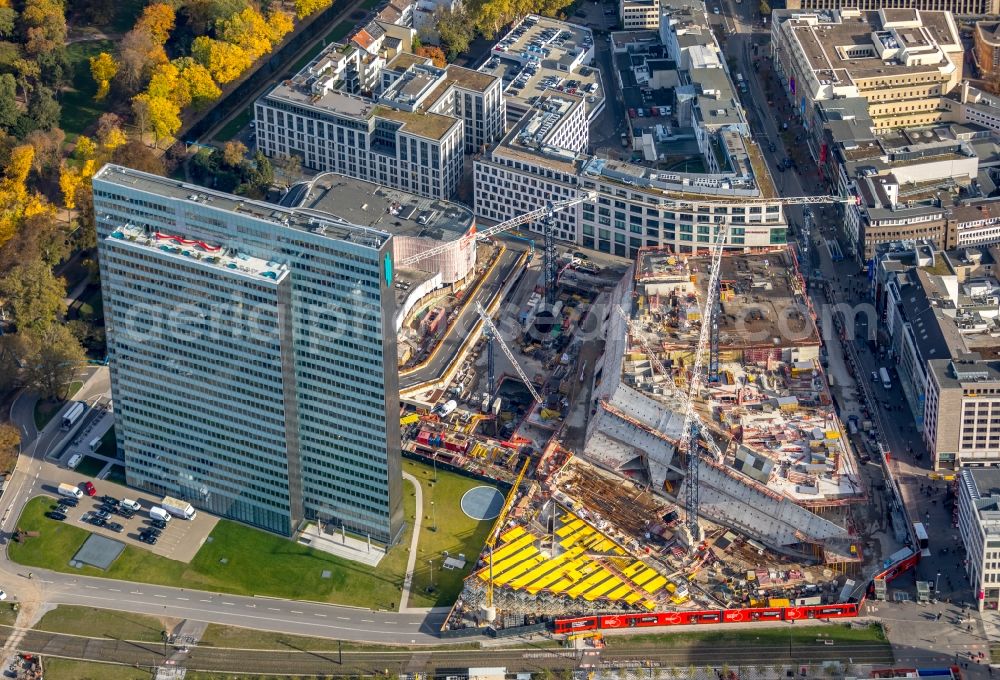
(456, 533)
(99, 623)
(242, 560)
(7, 614)
(238, 559)
(247, 638)
(79, 110)
(235, 124)
(765, 636)
(90, 466)
(91, 304)
(70, 669)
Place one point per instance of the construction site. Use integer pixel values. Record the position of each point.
(713, 474)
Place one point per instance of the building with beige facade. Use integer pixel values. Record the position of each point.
(637, 15)
(902, 61)
(962, 412)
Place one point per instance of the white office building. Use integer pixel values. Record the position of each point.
(979, 526)
(399, 122)
(249, 367)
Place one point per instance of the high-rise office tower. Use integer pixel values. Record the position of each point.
(252, 354)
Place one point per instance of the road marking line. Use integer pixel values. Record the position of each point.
(295, 612)
(163, 596)
(135, 592)
(323, 615)
(367, 621)
(414, 623)
(274, 609)
(344, 618)
(91, 587)
(204, 600)
(115, 590)
(183, 598)
(229, 604)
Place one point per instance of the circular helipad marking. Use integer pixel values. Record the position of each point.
(482, 502)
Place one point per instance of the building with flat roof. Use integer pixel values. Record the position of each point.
(639, 14)
(541, 55)
(902, 61)
(249, 366)
(962, 413)
(388, 117)
(962, 7)
(979, 526)
(693, 172)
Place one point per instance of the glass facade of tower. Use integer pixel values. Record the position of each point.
(248, 369)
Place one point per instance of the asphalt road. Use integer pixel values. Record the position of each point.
(522, 658)
(459, 330)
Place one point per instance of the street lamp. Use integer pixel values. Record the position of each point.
(431, 564)
(936, 581)
(434, 524)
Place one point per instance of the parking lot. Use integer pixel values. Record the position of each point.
(179, 540)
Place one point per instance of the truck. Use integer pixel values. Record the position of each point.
(884, 375)
(178, 508)
(73, 414)
(70, 491)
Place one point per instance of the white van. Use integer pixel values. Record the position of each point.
(156, 512)
(129, 504)
(94, 443)
(73, 461)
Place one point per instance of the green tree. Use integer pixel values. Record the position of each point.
(9, 111)
(43, 112)
(455, 29)
(50, 369)
(7, 17)
(33, 296)
(10, 442)
(764, 8)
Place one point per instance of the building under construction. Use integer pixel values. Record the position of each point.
(781, 504)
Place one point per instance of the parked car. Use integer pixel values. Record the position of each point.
(158, 523)
(109, 500)
(115, 527)
(56, 515)
(148, 538)
(98, 521)
(69, 502)
(88, 488)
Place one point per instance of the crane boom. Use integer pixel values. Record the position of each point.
(549, 209)
(488, 322)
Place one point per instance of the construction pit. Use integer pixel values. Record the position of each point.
(782, 502)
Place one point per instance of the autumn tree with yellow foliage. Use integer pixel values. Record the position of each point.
(304, 8)
(223, 60)
(103, 68)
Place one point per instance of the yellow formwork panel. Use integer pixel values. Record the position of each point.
(541, 570)
(618, 551)
(580, 588)
(653, 586)
(633, 598)
(569, 528)
(649, 604)
(567, 518)
(546, 580)
(602, 588)
(633, 569)
(512, 534)
(644, 576)
(619, 593)
(508, 549)
(605, 545)
(517, 570)
(515, 559)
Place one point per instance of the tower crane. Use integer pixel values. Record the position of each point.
(547, 215)
(493, 335)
